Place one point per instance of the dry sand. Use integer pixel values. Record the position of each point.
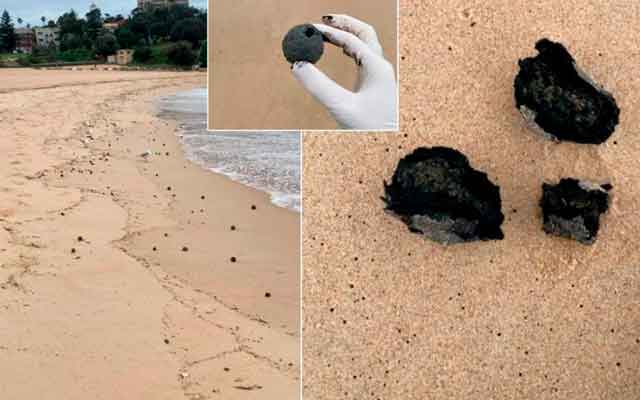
(529, 317)
(251, 85)
(88, 308)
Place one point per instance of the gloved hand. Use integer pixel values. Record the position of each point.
(373, 105)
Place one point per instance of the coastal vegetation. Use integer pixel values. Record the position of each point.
(161, 36)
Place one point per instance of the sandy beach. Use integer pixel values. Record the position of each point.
(389, 314)
(116, 271)
(251, 84)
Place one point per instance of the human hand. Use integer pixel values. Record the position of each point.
(373, 105)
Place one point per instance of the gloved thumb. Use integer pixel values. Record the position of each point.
(320, 86)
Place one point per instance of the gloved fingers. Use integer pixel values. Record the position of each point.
(320, 86)
(353, 46)
(362, 30)
(374, 69)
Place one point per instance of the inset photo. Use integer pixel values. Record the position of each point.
(303, 65)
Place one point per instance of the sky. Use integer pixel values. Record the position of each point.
(32, 10)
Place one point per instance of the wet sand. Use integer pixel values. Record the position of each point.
(251, 84)
(116, 273)
(389, 314)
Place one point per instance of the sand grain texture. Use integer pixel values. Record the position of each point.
(390, 315)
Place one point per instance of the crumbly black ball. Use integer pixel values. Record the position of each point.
(438, 194)
(303, 43)
(555, 95)
(572, 209)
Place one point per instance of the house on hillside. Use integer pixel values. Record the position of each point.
(113, 25)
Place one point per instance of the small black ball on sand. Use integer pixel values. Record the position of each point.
(253, 207)
(233, 227)
(559, 99)
(572, 208)
(303, 43)
(267, 295)
(233, 259)
(185, 248)
(438, 194)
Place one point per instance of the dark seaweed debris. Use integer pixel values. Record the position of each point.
(572, 208)
(303, 43)
(561, 99)
(437, 193)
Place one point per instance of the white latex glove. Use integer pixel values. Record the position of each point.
(373, 105)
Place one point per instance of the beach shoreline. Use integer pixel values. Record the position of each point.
(267, 161)
(117, 271)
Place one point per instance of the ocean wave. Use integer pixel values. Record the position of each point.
(267, 161)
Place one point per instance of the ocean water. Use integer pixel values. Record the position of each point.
(267, 161)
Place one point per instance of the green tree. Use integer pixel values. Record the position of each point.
(51, 23)
(191, 30)
(176, 23)
(139, 24)
(71, 41)
(94, 23)
(7, 33)
(158, 30)
(126, 38)
(203, 55)
(69, 23)
(142, 54)
(181, 54)
(106, 44)
(19, 21)
(179, 13)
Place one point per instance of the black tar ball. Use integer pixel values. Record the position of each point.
(572, 209)
(303, 43)
(438, 194)
(557, 97)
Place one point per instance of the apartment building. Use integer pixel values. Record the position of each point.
(25, 40)
(46, 36)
